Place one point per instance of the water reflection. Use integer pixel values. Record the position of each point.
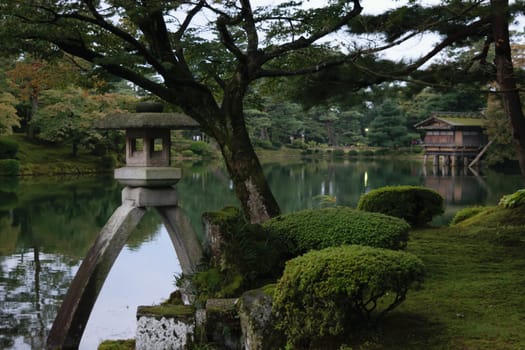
(46, 228)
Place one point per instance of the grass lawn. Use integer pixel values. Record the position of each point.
(474, 293)
(38, 159)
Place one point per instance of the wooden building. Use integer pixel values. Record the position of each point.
(453, 137)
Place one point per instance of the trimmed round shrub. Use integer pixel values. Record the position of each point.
(187, 153)
(9, 167)
(466, 213)
(8, 148)
(321, 228)
(516, 199)
(417, 205)
(335, 292)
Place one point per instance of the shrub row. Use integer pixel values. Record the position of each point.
(8, 148)
(333, 292)
(417, 205)
(9, 167)
(320, 228)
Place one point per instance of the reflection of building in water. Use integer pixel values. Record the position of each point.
(453, 138)
(461, 189)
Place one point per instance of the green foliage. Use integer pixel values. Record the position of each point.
(388, 127)
(8, 115)
(9, 167)
(298, 144)
(336, 292)
(467, 213)
(353, 153)
(108, 162)
(516, 199)
(200, 148)
(8, 148)
(417, 205)
(187, 153)
(68, 115)
(498, 131)
(381, 152)
(246, 257)
(366, 153)
(321, 228)
(338, 153)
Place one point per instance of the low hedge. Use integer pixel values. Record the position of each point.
(9, 167)
(466, 213)
(8, 148)
(321, 228)
(417, 205)
(333, 293)
(516, 199)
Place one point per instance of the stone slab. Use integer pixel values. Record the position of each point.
(146, 120)
(150, 197)
(138, 176)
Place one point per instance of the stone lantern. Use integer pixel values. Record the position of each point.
(148, 181)
(148, 144)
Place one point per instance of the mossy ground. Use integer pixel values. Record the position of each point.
(37, 158)
(473, 297)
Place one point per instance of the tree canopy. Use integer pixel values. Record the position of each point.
(203, 55)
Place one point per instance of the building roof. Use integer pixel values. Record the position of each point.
(146, 120)
(453, 119)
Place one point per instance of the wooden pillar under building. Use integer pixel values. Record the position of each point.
(436, 161)
(453, 161)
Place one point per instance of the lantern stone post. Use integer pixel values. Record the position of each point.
(149, 181)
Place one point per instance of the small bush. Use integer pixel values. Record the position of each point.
(516, 199)
(306, 152)
(9, 167)
(187, 153)
(353, 153)
(417, 205)
(381, 151)
(366, 153)
(321, 228)
(335, 292)
(339, 153)
(200, 148)
(241, 256)
(466, 213)
(8, 148)
(298, 144)
(263, 144)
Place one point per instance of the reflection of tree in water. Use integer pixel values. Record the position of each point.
(46, 232)
(31, 290)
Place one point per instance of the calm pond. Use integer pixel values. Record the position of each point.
(47, 226)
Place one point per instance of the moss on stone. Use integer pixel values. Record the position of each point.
(121, 344)
(166, 310)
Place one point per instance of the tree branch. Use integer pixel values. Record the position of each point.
(303, 42)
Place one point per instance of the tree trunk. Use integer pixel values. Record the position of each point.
(251, 186)
(248, 178)
(30, 132)
(506, 79)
